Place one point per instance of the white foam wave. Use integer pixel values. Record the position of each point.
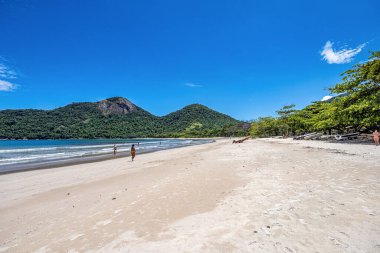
(20, 150)
(41, 154)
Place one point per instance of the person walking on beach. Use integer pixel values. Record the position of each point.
(376, 137)
(114, 150)
(133, 152)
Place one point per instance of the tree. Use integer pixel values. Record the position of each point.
(285, 114)
(360, 105)
(265, 127)
(322, 116)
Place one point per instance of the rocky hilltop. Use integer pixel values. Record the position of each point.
(116, 105)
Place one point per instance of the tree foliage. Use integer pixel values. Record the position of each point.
(360, 107)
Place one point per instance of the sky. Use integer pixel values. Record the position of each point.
(244, 58)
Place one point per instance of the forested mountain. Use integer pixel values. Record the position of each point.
(196, 120)
(115, 118)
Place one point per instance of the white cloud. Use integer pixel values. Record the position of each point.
(326, 98)
(193, 85)
(344, 55)
(5, 75)
(7, 86)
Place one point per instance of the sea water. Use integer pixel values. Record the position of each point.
(16, 153)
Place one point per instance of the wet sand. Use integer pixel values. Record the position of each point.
(259, 196)
(51, 164)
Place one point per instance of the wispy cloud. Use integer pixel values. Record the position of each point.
(7, 86)
(6, 75)
(343, 55)
(193, 85)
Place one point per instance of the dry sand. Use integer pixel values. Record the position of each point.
(259, 196)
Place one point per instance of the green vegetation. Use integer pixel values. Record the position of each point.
(356, 106)
(199, 121)
(89, 120)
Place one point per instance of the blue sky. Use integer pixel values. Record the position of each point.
(243, 58)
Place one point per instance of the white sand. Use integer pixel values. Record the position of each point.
(259, 196)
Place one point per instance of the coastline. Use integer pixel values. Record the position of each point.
(84, 159)
(134, 138)
(263, 195)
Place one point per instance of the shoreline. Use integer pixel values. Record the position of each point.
(80, 160)
(264, 195)
(134, 138)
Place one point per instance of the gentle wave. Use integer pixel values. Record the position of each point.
(38, 153)
(26, 150)
(37, 149)
(33, 158)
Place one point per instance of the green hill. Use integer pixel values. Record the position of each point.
(115, 118)
(197, 120)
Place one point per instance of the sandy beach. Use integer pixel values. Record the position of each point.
(266, 195)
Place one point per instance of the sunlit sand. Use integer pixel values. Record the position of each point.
(259, 196)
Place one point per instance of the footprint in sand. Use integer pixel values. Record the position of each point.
(288, 250)
(75, 236)
(103, 223)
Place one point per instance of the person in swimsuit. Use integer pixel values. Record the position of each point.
(376, 137)
(133, 152)
(114, 150)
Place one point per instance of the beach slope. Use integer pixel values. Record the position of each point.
(258, 196)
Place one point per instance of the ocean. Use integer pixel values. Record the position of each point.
(28, 154)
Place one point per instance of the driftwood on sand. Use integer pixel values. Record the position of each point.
(308, 136)
(350, 136)
(241, 140)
